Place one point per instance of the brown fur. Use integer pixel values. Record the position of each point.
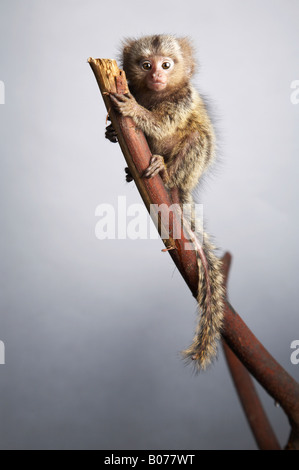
(177, 126)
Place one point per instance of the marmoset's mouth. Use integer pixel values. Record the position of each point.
(156, 85)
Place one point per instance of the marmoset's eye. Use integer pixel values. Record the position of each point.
(166, 65)
(146, 65)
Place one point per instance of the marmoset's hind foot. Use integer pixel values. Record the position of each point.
(129, 176)
(156, 166)
(111, 134)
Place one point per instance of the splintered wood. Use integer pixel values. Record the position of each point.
(109, 77)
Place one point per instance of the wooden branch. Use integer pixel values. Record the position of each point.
(278, 383)
(137, 154)
(253, 409)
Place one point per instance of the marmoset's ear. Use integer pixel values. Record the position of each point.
(188, 55)
(125, 50)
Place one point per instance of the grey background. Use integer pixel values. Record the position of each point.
(92, 328)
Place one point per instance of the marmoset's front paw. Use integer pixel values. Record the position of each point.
(126, 104)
